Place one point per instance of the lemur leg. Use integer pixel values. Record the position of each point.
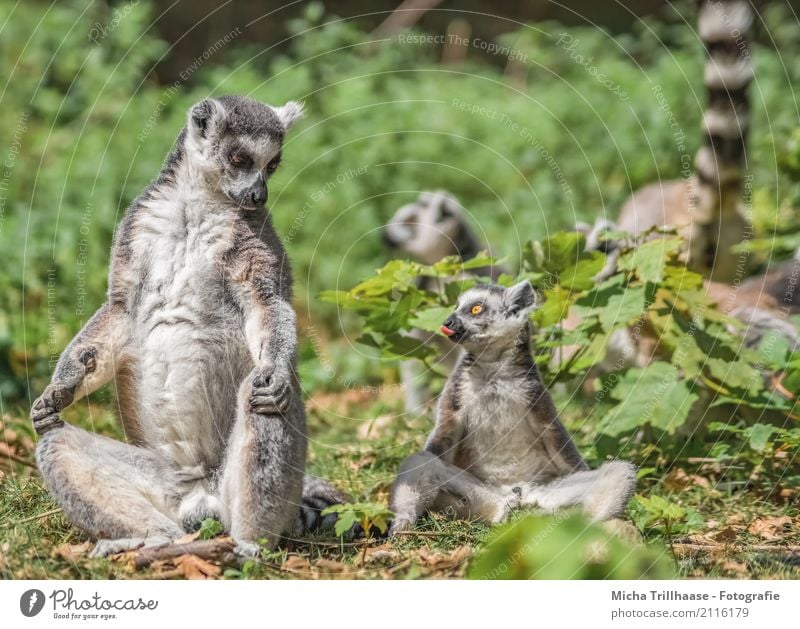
(110, 489)
(261, 485)
(88, 362)
(602, 493)
(426, 482)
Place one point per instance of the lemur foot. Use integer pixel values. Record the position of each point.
(272, 390)
(106, 547)
(510, 498)
(400, 524)
(247, 550)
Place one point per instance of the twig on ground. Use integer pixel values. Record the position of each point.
(213, 549)
(37, 516)
(686, 548)
(18, 459)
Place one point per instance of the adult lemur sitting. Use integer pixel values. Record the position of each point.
(198, 333)
(498, 442)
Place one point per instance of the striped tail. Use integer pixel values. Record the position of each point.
(318, 495)
(725, 27)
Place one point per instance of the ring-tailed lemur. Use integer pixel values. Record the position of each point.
(199, 335)
(498, 442)
(761, 302)
(433, 227)
(708, 206)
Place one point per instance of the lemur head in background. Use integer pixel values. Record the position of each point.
(234, 145)
(431, 228)
(489, 314)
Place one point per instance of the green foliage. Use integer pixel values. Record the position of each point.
(90, 124)
(566, 547)
(700, 362)
(368, 514)
(210, 528)
(655, 513)
(769, 450)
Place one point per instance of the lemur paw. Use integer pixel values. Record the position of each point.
(45, 410)
(272, 390)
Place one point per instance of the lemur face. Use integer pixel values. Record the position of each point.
(490, 315)
(427, 229)
(235, 142)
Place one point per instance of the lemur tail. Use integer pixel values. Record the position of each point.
(318, 495)
(725, 27)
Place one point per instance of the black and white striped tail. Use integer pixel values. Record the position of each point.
(318, 495)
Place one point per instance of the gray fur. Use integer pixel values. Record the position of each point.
(498, 442)
(199, 335)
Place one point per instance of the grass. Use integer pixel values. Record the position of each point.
(359, 438)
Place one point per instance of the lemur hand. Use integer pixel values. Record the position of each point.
(44, 412)
(272, 389)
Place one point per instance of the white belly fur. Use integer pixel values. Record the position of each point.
(500, 442)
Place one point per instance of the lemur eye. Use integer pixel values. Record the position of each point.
(240, 160)
(476, 310)
(273, 165)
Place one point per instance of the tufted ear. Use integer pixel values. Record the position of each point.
(289, 113)
(206, 118)
(520, 298)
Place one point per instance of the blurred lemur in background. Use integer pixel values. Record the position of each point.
(198, 333)
(707, 203)
(432, 227)
(498, 442)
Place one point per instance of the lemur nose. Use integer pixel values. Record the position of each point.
(259, 195)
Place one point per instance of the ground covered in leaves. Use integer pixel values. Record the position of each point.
(694, 521)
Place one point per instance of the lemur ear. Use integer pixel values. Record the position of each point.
(206, 118)
(520, 298)
(289, 113)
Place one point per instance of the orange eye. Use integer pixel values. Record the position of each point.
(476, 310)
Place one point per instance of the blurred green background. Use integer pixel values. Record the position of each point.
(515, 123)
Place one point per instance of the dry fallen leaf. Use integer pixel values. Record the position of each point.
(364, 461)
(381, 554)
(444, 560)
(297, 564)
(193, 567)
(727, 534)
(736, 568)
(678, 480)
(72, 552)
(770, 528)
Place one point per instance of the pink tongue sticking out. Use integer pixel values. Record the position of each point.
(447, 331)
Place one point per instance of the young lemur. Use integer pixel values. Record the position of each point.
(198, 333)
(708, 205)
(498, 442)
(433, 227)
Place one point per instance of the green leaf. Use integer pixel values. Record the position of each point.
(210, 528)
(345, 522)
(554, 309)
(580, 275)
(774, 349)
(736, 374)
(759, 436)
(654, 395)
(624, 308)
(431, 319)
(649, 259)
